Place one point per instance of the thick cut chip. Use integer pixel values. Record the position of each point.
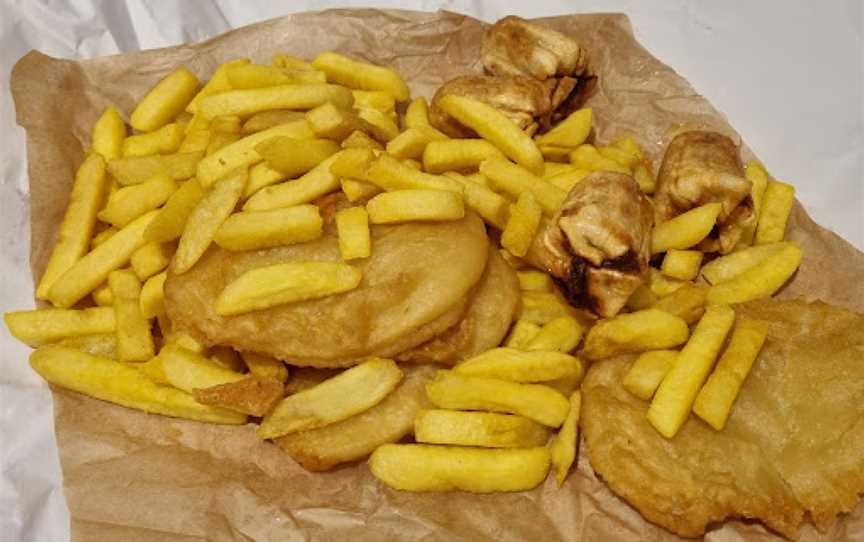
(134, 341)
(330, 122)
(151, 259)
(779, 199)
(536, 281)
(560, 335)
(130, 202)
(522, 333)
(646, 373)
(457, 154)
(242, 76)
(293, 156)
(417, 113)
(570, 132)
(169, 222)
(356, 437)
(188, 371)
(685, 230)
(391, 174)
(167, 99)
(522, 224)
(484, 429)
(379, 125)
(514, 180)
(269, 119)
(361, 75)
(462, 392)
(520, 366)
(674, 398)
(729, 266)
(218, 83)
(346, 394)
(122, 384)
(251, 230)
(761, 280)
(682, 264)
(98, 344)
(165, 140)
(137, 169)
(421, 467)
(352, 226)
(415, 205)
(413, 288)
(563, 447)
(247, 102)
(41, 326)
(311, 186)
(648, 329)
(412, 143)
(687, 302)
(153, 296)
(108, 134)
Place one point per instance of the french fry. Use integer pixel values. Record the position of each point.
(352, 226)
(253, 395)
(38, 327)
(360, 75)
(522, 225)
(102, 236)
(560, 335)
(92, 270)
(534, 281)
(412, 143)
(282, 60)
(265, 366)
(625, 158)
(277, 284)
(134, 341)
(779, 199)
(246, 76)
(761, 280)
(188, 371)
(294, 157)
(205, 219)
(563, 447)
(378, 124)
(644, 178)
(417, 113)
(220, 140)
(354, 163)
(164, 140)
(758, 177)
(555, 153)
(566, 180)
(484, 429)
(218, 83)
(361, 140)
(661, 285)
(358, 436)
(457, 154)
(715, 399)
(374, 99)
(242, 153)
(330, 122)
(521, 334)
(171, 218)
(98, 344)
(415, 205)
(136, 170)
(423, 467)
(247, 102)
(552, 169)
(358, 190)
(675, 395)
(571, 132)
(122, 384)
(151, 259)
(648, 371)
(520, 366)
(542, 307)
(261, 175)
(73, 238)
(587, 157)
(350, 392)
(513, 180)
(195, 141)
(391, 174)
(228, 123)
(152, 296)
(130, 202)
(252, 230)
(496, 128)
(686, 229)
(681, 264)
(648, 329)
(311, 186)
(167, 99)
(102, 296)
(456, 391)
(731, 265)
(108, 134)
(641, 298)
(183, 339)
(687, 302)
(268, 119)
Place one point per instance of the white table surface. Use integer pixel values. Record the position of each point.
(809, 53)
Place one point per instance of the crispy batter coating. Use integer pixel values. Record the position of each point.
(514, 46)
(793, 445)
(254, 395)
(412, 287)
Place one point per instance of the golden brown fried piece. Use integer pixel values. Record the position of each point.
(598, 243)
(416, 275)
(514, 46)
(794, 443)
(704, 167)
(356, 437)
(254, 395)
(485, 322)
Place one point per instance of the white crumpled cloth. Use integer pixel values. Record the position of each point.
(810, 53)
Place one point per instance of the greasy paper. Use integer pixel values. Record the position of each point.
(133, 476)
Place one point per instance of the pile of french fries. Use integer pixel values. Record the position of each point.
(241, 160)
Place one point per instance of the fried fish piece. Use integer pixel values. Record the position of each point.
(793, 445)
(704, 167)
(485, 322)
(417, 274)
(598, 243)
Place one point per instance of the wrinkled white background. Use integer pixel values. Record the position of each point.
(808, 56)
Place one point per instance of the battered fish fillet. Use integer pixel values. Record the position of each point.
(414, 287)
(488, 317)
(793, 445)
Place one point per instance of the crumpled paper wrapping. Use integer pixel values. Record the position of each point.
(133, 476)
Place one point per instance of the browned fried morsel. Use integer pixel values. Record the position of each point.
(254, 395)
(704, 167)
(598, 243)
